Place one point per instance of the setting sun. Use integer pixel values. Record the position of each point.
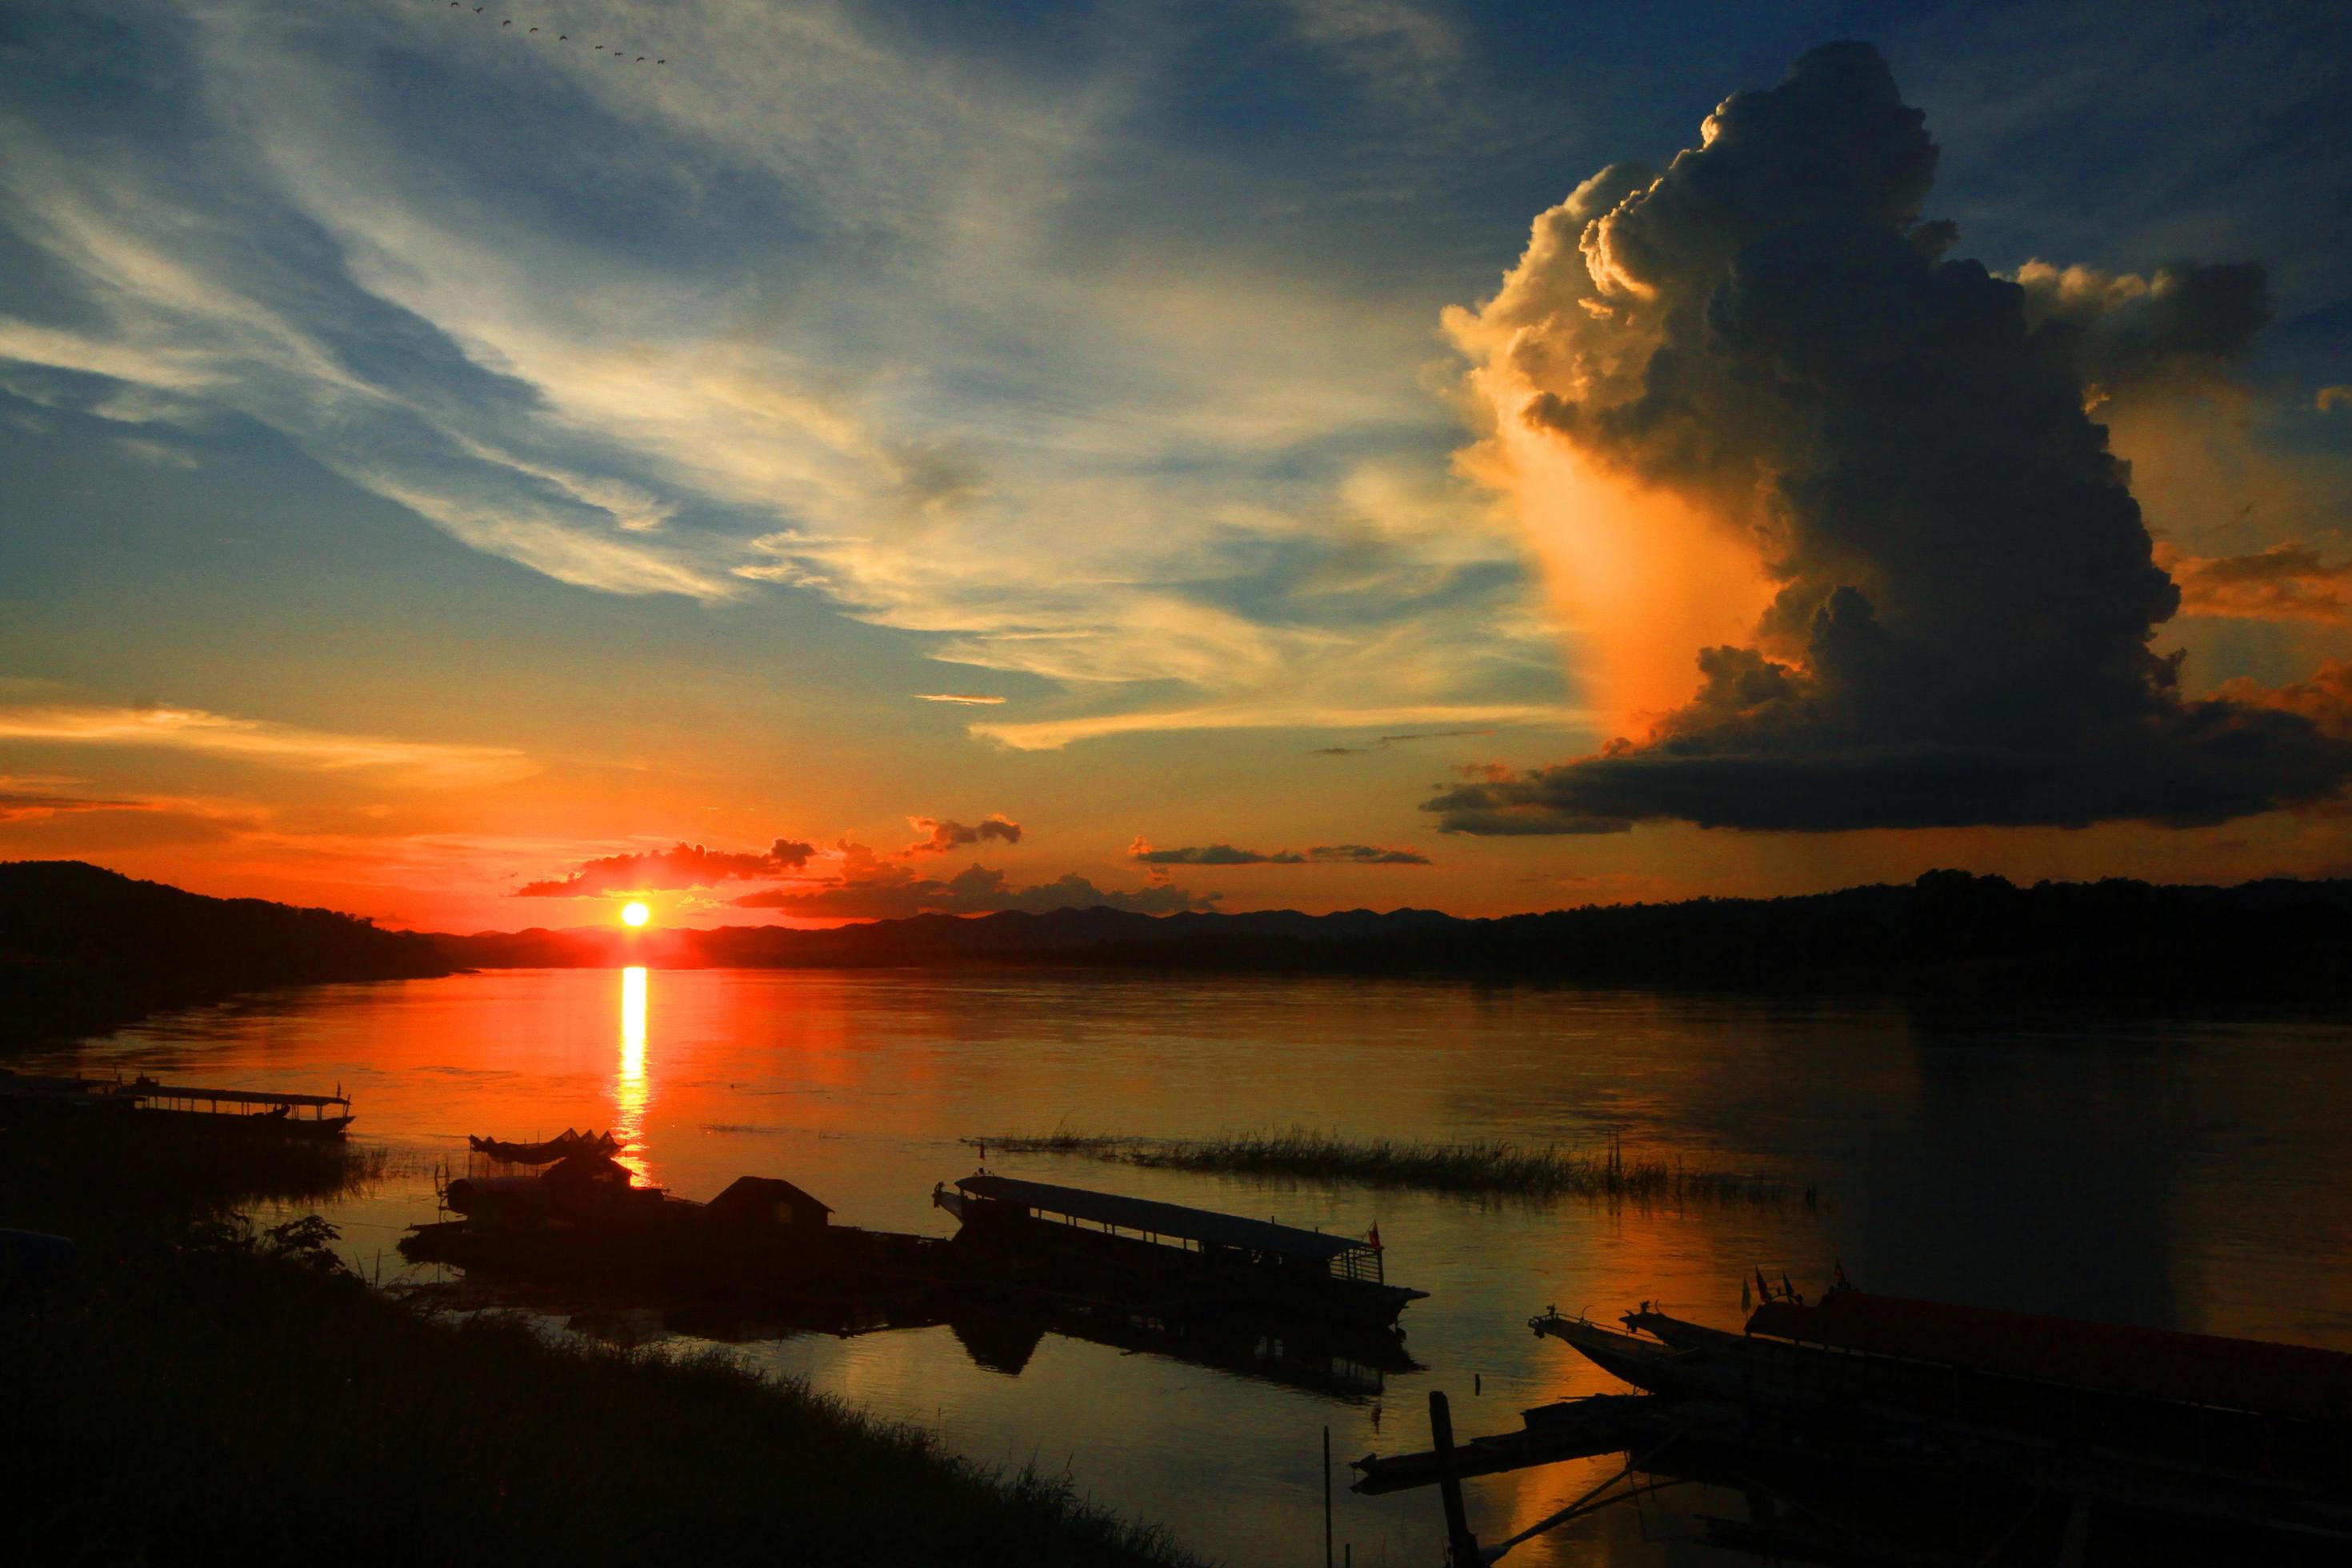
(633, 913)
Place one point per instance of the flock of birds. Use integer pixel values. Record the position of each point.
(565, 37)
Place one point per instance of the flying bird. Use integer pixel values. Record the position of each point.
(641, 59)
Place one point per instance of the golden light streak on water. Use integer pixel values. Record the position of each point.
(631, 1090)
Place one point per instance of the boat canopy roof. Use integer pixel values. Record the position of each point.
(148, 1090)
(1163, 1219)
(2296, 1382)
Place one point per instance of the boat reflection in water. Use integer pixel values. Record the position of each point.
(1341, 1364)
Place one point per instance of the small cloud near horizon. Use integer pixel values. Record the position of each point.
(874, 891)
(1384, 742)
(1143, 853)
(943, 834)
(679, 866)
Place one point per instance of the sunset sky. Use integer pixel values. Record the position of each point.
(858, 460)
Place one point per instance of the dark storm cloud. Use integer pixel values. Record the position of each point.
(1321, 855)
(1966, 591)
(2189, 321)
(681, 865)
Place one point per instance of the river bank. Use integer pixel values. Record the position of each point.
(203, 1388)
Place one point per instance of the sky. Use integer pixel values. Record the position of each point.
(858, 460)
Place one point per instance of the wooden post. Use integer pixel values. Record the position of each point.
(1461, 1546)
(1327, 1497)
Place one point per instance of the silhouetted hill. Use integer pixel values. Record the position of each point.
(84, 950)
(1948, 936)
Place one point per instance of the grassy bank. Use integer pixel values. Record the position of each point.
(1477, 1167)
(200, 1391)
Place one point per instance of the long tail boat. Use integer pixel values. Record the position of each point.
(548, 1152)
(2242, 1432)
(1141, 1252)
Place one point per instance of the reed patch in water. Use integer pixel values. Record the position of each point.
(1477, 1166)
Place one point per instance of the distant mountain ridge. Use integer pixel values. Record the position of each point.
(1949, 935)
(84, 950)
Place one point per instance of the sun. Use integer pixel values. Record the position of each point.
(633, 913)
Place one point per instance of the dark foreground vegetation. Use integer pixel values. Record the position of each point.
(200, 1390)
(1481, 1167)
(1950, 938)
(83, 950)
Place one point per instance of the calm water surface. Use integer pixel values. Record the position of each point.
(2189, 1177)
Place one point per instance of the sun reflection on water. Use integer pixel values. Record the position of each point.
(630, 1090)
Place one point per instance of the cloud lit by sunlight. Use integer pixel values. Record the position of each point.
(1641, 578)
(259, 740)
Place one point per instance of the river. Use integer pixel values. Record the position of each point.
(2183, 1176)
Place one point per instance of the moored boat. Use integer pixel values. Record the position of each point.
(1142, 1252)
(146, 1103)
(548, 1150)
(2150, 1419)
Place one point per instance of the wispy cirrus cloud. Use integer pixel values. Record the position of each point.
(1266, 713)
(2288, 581)
(710, 333)
(424, 762)
(18, 805)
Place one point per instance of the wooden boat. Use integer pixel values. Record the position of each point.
(1682, 1372)
(148, 1103)
(241, 1109)
(2149, 1421)
(1165, 1256)
(547, 1151)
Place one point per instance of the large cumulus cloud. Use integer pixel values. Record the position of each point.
(1964, 591)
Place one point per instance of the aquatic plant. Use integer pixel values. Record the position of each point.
(1477, 1166)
